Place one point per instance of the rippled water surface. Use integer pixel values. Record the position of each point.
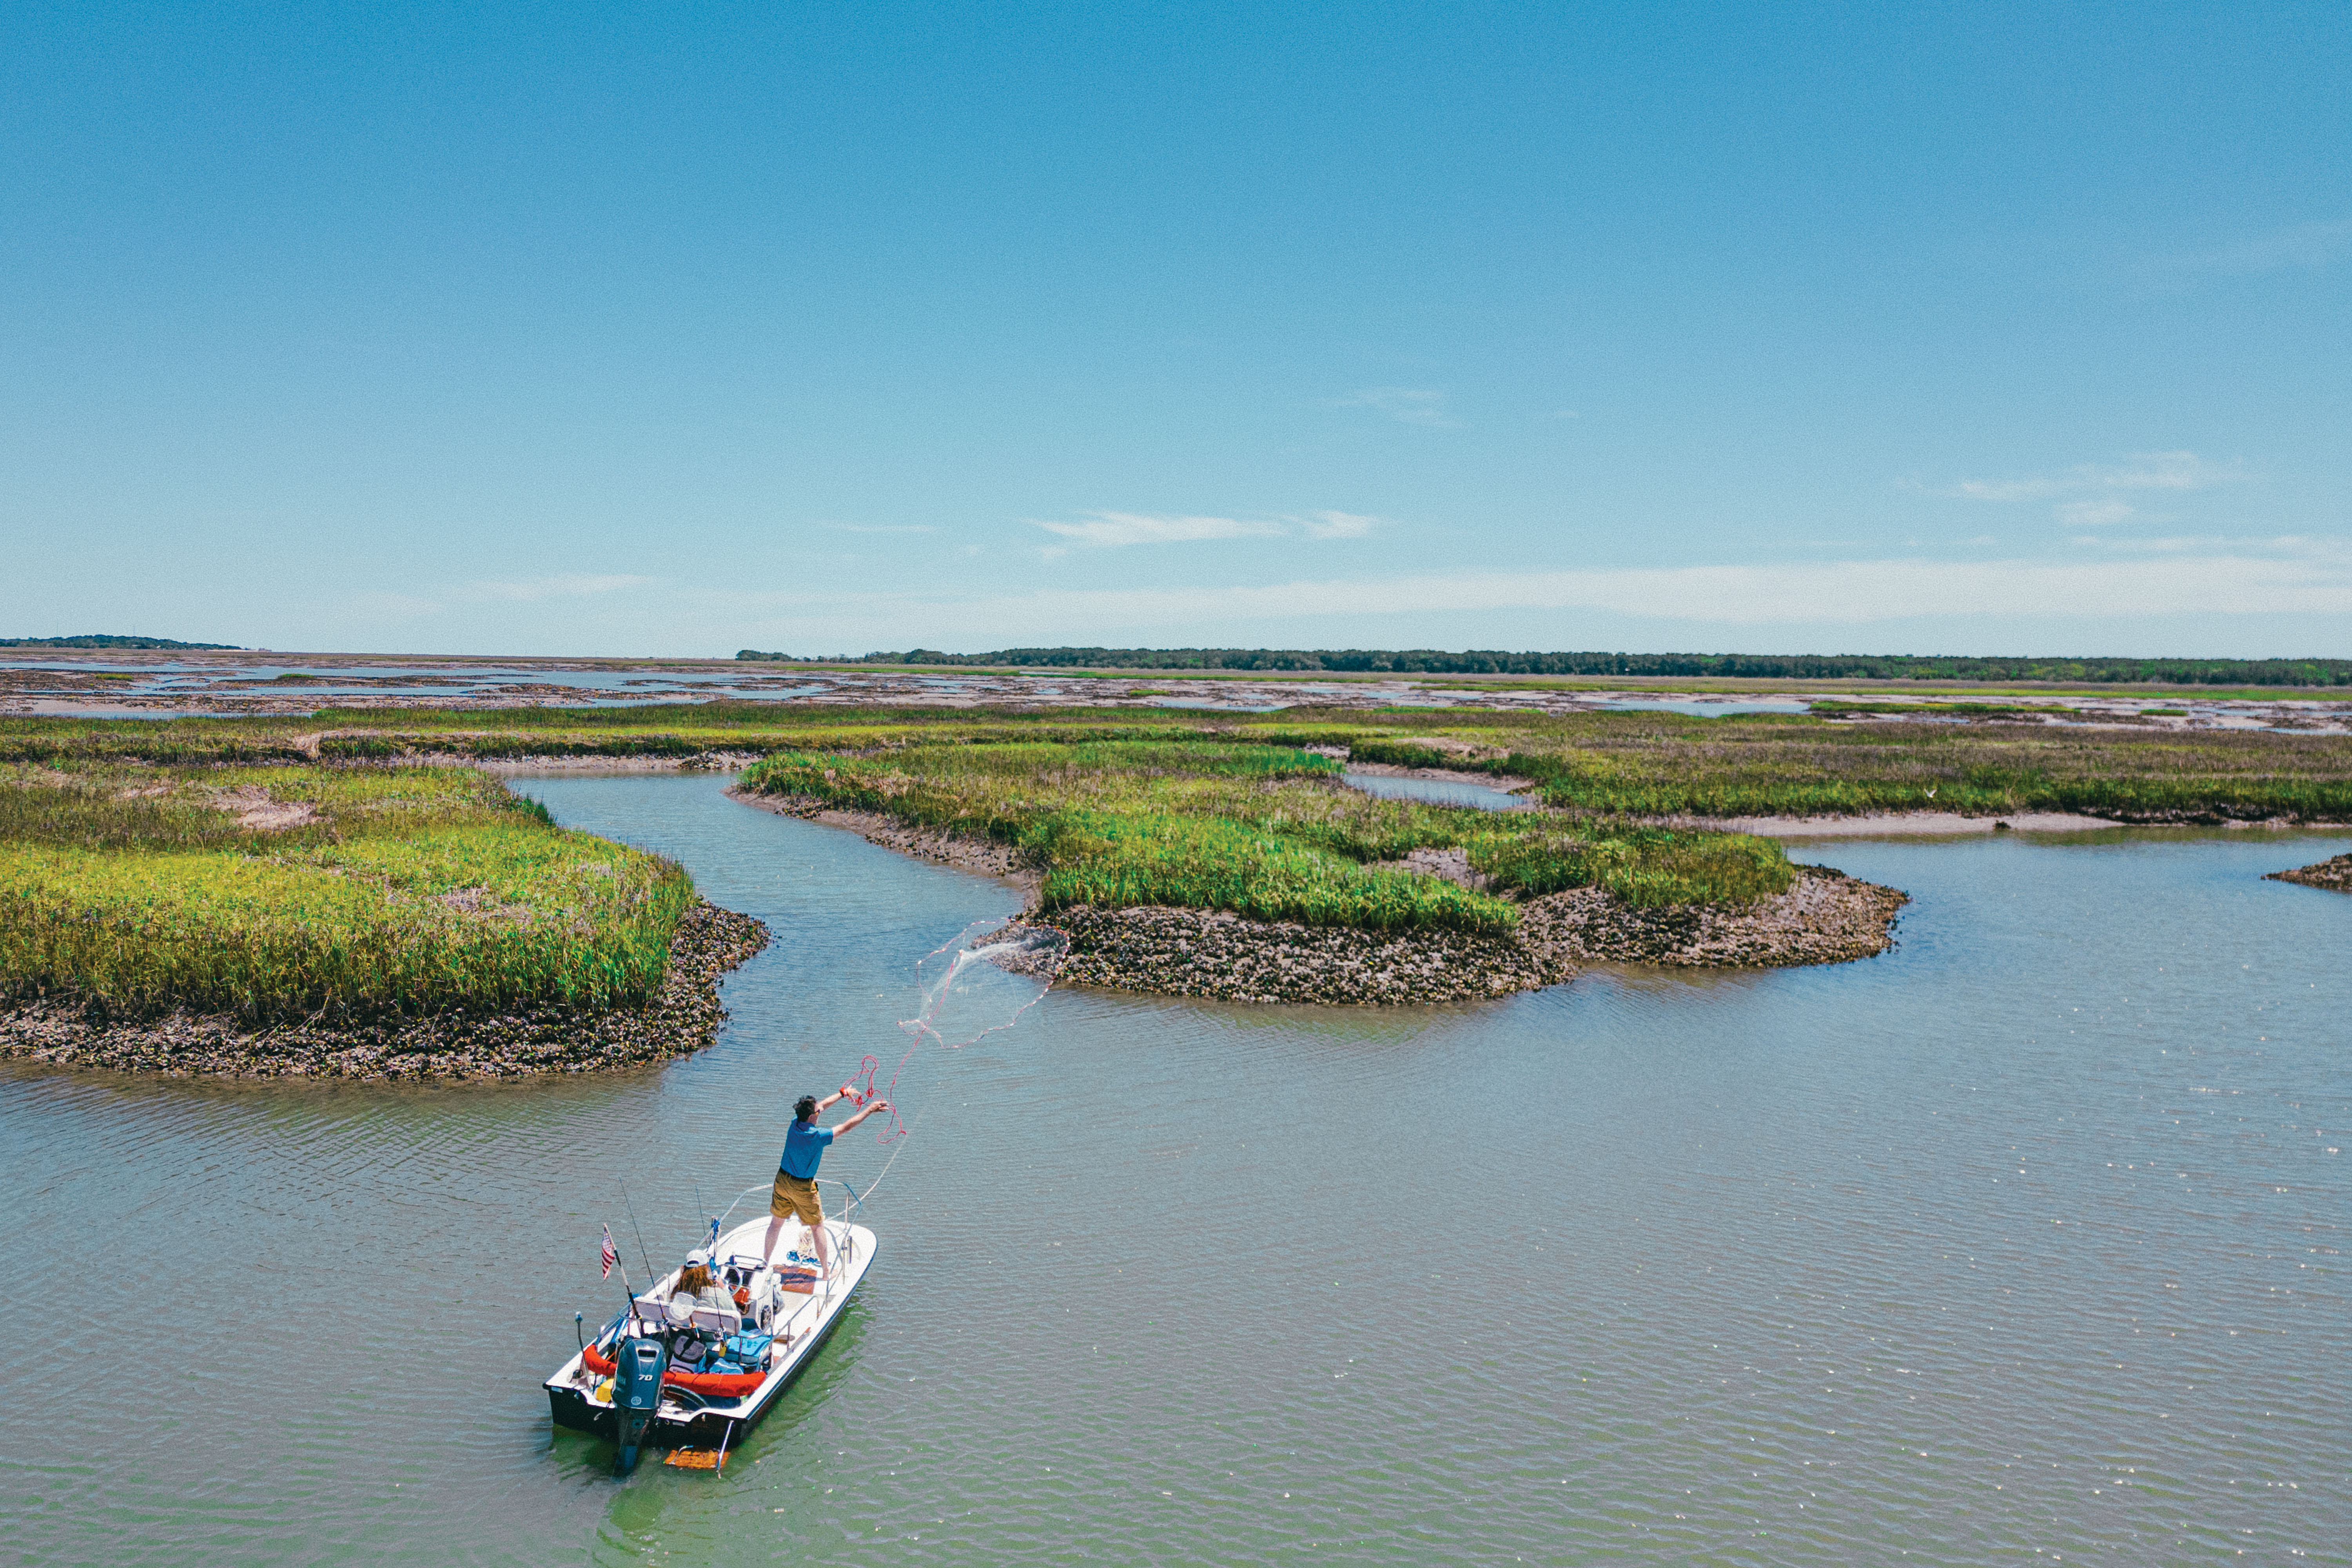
(2021, 1243)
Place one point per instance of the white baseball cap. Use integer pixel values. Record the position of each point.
(699, 1258)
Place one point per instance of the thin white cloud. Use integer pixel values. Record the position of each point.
(2287, 576)
(1110, 529)
(2141, 472)
(2178, 544)
(2297, 545)
(2308, 245)
(2093, 514)
(1405, 405)
(565, 586)
(1335, 525)
(1849, 591)
(1105, 529)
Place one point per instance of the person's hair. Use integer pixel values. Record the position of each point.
(694, 1279)
(805, 1108)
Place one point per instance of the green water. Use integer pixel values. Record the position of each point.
(2021, 1243)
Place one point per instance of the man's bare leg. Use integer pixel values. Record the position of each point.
(768, 1251)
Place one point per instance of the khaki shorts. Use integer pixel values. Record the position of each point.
(795, 1197)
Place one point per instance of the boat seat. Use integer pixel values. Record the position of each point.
(717, 1321)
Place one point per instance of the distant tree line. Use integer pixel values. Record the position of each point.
(100, 640)
(1766, 666)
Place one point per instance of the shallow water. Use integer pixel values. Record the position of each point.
(627, 686)
(1699, 706)
(2021, 1242)
(1438, 791)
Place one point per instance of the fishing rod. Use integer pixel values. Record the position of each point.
(746, 1191)
(640, 1234)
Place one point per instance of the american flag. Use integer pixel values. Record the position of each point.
(611, 1256)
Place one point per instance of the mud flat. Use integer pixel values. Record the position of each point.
(1950, 824)
(965, 852)
(2334, 875)
(519, 1043)
(1901, 824)
(1505, 783)
(510, 767)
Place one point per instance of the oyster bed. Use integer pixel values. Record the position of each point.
(2334, 875)
(1827, 917)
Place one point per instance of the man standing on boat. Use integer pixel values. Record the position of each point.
(795, 1195)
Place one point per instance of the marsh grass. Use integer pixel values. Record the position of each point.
(1253, 828)
(1262, 830)
(409, 890)
(1768, 765)
(1837, 706)
(1116, 860)
(1403, 754)
(1647, 866)
(1160, 805)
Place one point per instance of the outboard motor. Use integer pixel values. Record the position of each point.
(636, 1392)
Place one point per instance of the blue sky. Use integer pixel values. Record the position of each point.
(680, 330)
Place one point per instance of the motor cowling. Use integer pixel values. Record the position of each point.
(636, 1393)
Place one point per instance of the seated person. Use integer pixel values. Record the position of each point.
(699, 1287)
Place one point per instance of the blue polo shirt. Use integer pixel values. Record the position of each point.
(804, 1147)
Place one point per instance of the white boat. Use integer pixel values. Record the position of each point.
(661, 1376)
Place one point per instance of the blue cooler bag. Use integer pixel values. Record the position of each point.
(750, 1352)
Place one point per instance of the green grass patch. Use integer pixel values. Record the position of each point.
(350, 893)
(1405, 753)
(1644, 765)
(1263, 830)
(1646, 867)
(1114, 860)
(1604, 765)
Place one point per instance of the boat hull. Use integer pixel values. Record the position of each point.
(571, 1405)
(574, 1409)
